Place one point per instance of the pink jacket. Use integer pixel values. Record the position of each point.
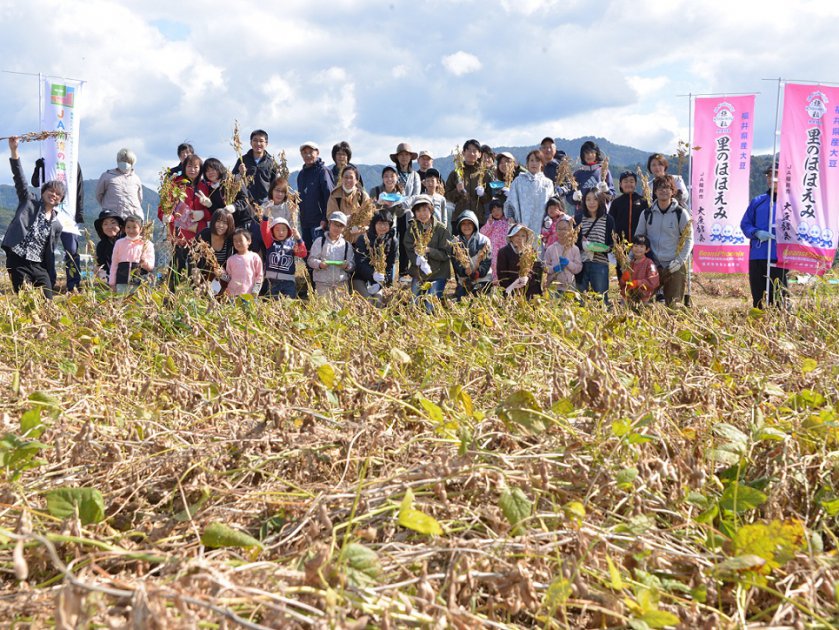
(245, 271)
(643, 276)
(549, 236)
(562, 279)
(127, 251)
(496, 231)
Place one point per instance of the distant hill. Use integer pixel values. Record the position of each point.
(621, 158)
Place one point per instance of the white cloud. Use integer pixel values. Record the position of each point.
(461, 63)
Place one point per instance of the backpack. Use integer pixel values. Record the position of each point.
(648, 214)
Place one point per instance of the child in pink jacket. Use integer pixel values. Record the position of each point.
(554, 211)
(641, 280)
(133, 257)
(244, 267)
(496, 229)
(563, 261)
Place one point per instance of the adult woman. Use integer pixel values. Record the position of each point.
(664, 224)
(657, 165)
(528, 195)
(211, 193)
(594, 243)
(504, 162)
(34, 231)
(120, 189)
(341, 156)
(219, 235)
(348, 198)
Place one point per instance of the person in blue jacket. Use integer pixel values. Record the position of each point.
(314, 185)
(758, 225)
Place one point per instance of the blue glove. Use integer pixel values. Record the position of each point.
(563, 261)
(762, 235)
(560, 266)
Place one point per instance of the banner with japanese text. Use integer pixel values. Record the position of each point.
(808, 178)
(61, 155)
(720, 167)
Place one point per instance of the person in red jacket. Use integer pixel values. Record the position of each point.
(640, 282)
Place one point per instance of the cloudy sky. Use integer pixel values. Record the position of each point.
(507, 72)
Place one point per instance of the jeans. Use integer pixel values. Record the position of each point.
(435, 290)
(288, 288)
(594, 276)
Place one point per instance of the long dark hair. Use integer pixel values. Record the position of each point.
(217, 166)
(601, 203)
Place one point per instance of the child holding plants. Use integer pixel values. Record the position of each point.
(244, 268)
(513, 274)
(286, 245)
(133, 257)
(496, 229)
(109, 227)
(640, 281)
(471, 257)
(554, 211)
(427, 245)
(562, 258)
(591, 175)
(332, 258)
(375, 255)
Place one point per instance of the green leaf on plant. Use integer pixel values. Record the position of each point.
(615, 580)
(416, 520)
(326, 374)
(363, 566)
(49, 403)
(831, 506)
(30, 423)
(516, 506)
(522, 410)
(218, 535)
(435, 413)
(64, 502)
(808, 365)
(626, 477)
(740, 498)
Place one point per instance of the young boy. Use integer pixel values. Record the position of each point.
(433, 188)
(280, 257)
(332, 259)
(640, 281)
(258, 165)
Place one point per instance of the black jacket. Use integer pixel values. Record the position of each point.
(626, 211)
(27, 209)
(263, 174)
(39, 179)
(363, 267)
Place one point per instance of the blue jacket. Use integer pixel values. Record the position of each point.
(757, 218)
(314, 184)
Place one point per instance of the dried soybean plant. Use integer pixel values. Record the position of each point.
(621, 250)
(377, 254)
(646, 192)
(422, 237)
(37, 136)
(527, 256)
(459, 164)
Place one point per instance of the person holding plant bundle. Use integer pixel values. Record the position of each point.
(548, 150)
(332, 259)
(120, 189)
(668, 228)
(219, 236)
(591, 175)
(277, 204)
(758, 226)
(627, 208)
(519, 269)
(189, 215)
(350, 198)
(595, 243)
(640, 281)
(496, 229)
(562, 258)
(258, 167)
(471, 257)
(286, 246)
(554, 211)
(244, 267)
(133, 257)
(427, 245)
(529, 195)
(34, 231)
(465, 184)
(109, 226)
(375, 256)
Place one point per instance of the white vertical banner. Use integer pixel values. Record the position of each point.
(61, 155)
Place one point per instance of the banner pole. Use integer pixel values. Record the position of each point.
(773, 196)
(688, 201)
(40, 112)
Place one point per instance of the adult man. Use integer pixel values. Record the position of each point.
(425, 161)
(314, 185)
(184, 151)
(468, 192)
(258, 166)
(758, 225)
(548, 149)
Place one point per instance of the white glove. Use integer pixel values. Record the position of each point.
(577, 196)
(674, 266)
(256, 289)
(203, 199)
(505, 190)
(170, 218)
(421, 261)
(547, 223)
(425, 268)
(602, 187)
(561, 191)
(479, 191)
(224, 277)
(229, 208)
(516, 284)
(378, 277)
(197, 215)
(373, 289)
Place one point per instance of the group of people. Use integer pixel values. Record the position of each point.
(538, 227)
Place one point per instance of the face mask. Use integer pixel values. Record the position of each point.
(347, 190)
(124, 166)
(214, 184)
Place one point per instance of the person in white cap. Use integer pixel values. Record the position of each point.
(332, 260)
(314, 185)
(286, 246)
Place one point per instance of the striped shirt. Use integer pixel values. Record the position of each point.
(594, 231)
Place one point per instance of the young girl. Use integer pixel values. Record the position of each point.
(554, 211)
(562, 258)
(381, 237)
(496, 229)
(529, 194)
(590, 175)
(109, 227)
(518, 237)
(390, 187)
(332, 258)
(476, 277)
(434, 189)
(595, 241)
(286, 244)
(640, 281)
(244, 267)
(219, 234)
(133, 257)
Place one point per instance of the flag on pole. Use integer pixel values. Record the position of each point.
(808, 184)
(720, 181)
(61, 155)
